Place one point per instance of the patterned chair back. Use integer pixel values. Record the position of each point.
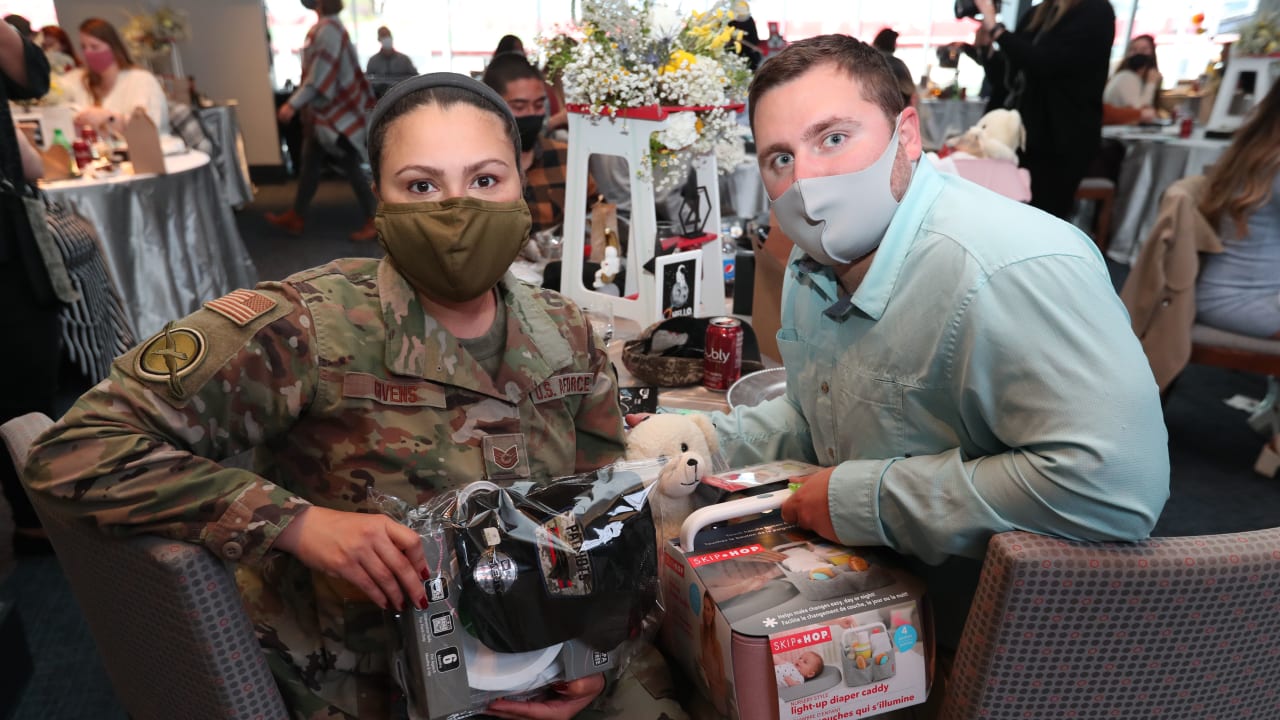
(166, 615)
(1170, 628)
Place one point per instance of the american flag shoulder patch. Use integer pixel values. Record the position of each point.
(242, 306)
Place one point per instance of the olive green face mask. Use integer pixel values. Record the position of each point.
(454, 250)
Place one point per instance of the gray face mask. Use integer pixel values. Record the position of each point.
(840, 218)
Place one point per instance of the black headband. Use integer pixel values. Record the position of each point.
(443, 79)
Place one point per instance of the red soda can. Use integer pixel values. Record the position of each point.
(83, 155)
(722, 358)
(1185, 130)
(89, 135)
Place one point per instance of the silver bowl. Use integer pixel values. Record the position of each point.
(757, 387)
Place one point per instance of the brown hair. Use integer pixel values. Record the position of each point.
(858, 60)
(64, 42)
(506, 68)
(1049, 13)
(1242, 178)
(106, 32)
(329, 7)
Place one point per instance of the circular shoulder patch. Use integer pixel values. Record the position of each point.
(171, 354)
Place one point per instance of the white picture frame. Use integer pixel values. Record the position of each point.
(678, 282)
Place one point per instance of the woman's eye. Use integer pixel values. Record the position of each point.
(421, 186)
(834, 139)
(484, 182)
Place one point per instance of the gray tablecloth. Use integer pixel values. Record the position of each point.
(1153, 161)
(223, 127)
(940, 119)
(171, 241)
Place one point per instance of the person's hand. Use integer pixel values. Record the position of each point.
(568, 699)
(807, 506)
(1147, 114)
(285, 114)
(373, 552)
(772, 556)
(982, 37)
(95, 116)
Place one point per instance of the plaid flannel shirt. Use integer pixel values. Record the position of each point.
(544, 186)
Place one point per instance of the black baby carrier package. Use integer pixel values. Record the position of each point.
(530, 584)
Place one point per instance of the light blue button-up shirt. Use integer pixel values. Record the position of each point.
(982, 378)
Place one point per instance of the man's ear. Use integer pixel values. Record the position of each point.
(909, 133)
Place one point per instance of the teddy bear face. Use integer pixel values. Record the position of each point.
(687, 441)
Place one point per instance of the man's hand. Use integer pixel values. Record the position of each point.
(569, 698)
(285, 114)
(988, 10)
(807, 506)
(373, 552)
(1147, 114)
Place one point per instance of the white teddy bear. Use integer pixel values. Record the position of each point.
(998, 135)
(688, 442)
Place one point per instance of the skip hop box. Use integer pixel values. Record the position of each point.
(763, 614)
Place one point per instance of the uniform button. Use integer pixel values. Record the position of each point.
(232, 550)
(825, 388)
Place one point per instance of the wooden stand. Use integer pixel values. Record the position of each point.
(626, 133)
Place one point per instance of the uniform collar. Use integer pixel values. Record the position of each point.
(877, 286)
(418, 346)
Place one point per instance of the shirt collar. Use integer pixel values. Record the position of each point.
(876, 288)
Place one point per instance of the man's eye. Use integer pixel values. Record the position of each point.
(782, 160)
(834, 139)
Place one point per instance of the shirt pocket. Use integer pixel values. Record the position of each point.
(869, 422)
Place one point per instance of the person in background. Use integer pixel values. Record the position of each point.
(910, 96)
(543, 161)
(282, 374)
(749, 45)
(508, 44)
(1126, 88)
(58, 48)
(983, 52)
(110, 86)
(1239, 289)
(957, 361)
(1146, 45)
(886, 41)
(1057, 61)
(29, 371)
(388, 61)
(334, 97)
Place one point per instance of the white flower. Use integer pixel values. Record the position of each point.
(681, 131)
(665, 22)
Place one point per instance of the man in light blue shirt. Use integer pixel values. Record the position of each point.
(959, 363)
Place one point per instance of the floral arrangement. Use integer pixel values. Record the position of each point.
(151, 35)
(640, 53)
(1260, 37)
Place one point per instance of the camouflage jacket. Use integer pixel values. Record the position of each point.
(341, 384)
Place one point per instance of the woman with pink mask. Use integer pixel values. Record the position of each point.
(108, 88)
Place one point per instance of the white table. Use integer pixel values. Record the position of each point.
(1154, 160)
(170, 240)
(940, 119)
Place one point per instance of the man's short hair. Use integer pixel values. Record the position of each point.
(506, 68)
(858, 60)
(384, 31)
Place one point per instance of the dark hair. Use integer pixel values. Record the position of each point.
(509, 43)
(329, 7)
(1242, 179)
(1137, 63)
(106, 32)
(444, 97)
(506, 68)
(1155, 61)
(886, 41)
(858, 60)
(21, 24)
(906, 85)
(64, 41)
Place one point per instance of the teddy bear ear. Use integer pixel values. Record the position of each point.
(709, 430)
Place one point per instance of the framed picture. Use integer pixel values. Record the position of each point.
(679, 284)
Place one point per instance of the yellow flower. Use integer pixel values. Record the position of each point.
(679, 59)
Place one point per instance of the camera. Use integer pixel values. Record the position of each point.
(969, 8)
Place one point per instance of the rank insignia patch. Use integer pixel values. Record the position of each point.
(505, 457)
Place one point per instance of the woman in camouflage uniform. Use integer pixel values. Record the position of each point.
(411, 375)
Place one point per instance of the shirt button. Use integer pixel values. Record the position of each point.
(232, 550)
(831, 453)
(825, 388)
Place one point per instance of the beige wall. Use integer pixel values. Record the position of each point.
(227, 54)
